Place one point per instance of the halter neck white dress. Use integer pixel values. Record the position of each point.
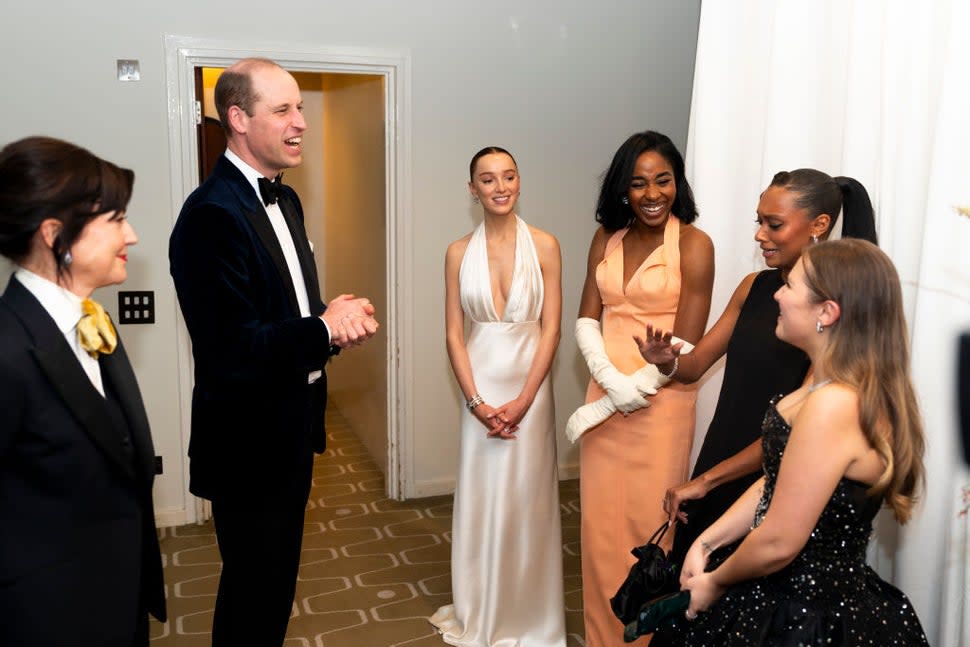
(506, 551)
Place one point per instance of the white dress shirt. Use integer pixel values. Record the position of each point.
(286, 243)
(64, 307)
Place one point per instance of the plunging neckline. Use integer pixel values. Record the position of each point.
(643, 264)
(515, 270)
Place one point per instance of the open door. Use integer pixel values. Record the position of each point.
(211, 137)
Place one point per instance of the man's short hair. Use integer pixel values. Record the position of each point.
(235, 88)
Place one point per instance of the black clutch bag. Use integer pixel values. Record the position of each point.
(656, 612)
(652, 576)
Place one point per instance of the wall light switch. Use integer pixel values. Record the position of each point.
(136, 307)
(128, 70)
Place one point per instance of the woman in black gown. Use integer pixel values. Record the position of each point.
(797, 208)
(835, 450)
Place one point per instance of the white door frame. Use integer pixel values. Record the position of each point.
(182, 56)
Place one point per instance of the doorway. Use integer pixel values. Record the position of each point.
(351, 185)
(341, 186)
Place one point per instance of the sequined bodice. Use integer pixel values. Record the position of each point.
(841, 535)
(826, 597)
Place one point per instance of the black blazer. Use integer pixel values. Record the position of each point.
(254, 417)
(76, 477)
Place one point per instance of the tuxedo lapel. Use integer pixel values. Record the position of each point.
(70, 382)
(252, 209)
(260, 222)
(303, 252)
(116, 368)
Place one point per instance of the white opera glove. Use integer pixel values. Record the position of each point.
(596, 412)
(588, 416)
(621, 388)
(647, 380)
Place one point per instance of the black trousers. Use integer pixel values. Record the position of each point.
(260, 535)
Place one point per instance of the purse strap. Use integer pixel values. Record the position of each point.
(659, 533)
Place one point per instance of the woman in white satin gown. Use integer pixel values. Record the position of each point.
(506, 555)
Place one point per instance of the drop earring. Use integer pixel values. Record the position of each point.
(819, 328)
(625, 200)
(814, 239)
(67, 258)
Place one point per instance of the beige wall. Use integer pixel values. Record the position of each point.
(560, 84)
(355, 247)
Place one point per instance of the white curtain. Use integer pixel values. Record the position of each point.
(878, 90)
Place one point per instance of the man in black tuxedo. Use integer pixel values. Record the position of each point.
(247, 285)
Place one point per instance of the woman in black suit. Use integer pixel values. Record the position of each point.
(79, 557)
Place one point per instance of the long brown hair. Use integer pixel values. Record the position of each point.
(868, 350)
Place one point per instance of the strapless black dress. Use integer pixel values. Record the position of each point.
(828, 595)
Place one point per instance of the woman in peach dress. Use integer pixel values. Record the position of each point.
(647, 263)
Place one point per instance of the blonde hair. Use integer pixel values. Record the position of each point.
(868, 350)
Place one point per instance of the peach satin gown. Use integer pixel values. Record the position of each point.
(627, 463)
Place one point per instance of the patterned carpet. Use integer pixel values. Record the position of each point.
(372, 569)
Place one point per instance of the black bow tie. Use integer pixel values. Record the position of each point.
(270, 190)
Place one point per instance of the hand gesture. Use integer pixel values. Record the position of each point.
(509, 415)
(675, 496)
(657, 346)
(350, 320)
(486, 414)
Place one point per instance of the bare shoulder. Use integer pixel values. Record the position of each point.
(601, 235)
(545, 242)
(695, 242)
(830, 398)
(747, 282)
(831, 412)
(744, 289)
(597, 247)
(457, 248)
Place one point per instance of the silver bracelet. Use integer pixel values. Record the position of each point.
(474, 402)
(673, 370)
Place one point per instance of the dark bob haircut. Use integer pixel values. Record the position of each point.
(43, 177)
(610, 210)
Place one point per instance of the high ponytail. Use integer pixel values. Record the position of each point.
(819, 193)
(858, 217)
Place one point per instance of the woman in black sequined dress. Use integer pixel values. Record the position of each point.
(835, 451)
